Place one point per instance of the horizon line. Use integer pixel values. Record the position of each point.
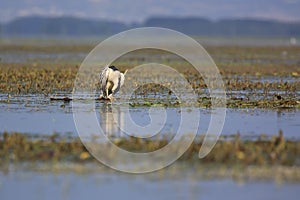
(155, 16)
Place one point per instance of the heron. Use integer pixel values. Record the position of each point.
(111, 80)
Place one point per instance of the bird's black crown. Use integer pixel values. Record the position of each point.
(113, 68)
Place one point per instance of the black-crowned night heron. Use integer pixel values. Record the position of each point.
(111, 80)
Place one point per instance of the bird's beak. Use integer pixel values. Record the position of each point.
(125, 72)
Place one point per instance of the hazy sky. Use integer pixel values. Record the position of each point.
(138, 10)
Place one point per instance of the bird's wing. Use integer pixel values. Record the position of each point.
(103, 78)
(122, 79)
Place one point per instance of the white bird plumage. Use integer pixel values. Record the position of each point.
(111, 80)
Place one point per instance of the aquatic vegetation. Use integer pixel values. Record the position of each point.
(277, 150)
(241, 92)
(254, 76)
(43, 79)
(263, 158)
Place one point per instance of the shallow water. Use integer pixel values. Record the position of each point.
(32, 185)
(37, 114)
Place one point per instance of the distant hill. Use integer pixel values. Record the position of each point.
(229, 27)
(72, 26)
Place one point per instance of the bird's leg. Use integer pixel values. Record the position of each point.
(108, 86)
(106, 95)
(101, 96)
(113, 90)
(110, 97)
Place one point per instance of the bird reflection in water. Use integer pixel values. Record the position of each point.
(111, 120)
